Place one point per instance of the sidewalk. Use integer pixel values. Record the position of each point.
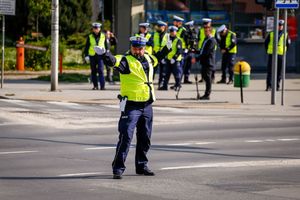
(17, 86)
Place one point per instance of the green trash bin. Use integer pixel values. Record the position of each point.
(242, 74)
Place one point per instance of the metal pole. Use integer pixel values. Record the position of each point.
(54, 44)
(3, 43)
(284, 56)
(233, 15)
(241, 85)
(274, 57)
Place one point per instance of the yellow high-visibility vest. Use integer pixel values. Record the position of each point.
(136, 85)
(202, 36)
(174, 50)
(228, 42)
(101, 43)
(280, 44)
(158, 46)
(178, 34)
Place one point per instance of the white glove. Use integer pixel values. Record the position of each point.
(122, 104)
(169, 43)
(172, 61)
(186, 51)
(87, 59)
(99, 50)
(163, 61)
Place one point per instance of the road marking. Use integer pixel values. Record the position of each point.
(288, 139)
(99, 148)
(254, 141)
(81, 174)
(204, 143)
(180, 144)
(16, 152)
(262, 163)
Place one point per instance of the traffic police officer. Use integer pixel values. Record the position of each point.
(207, 56)
(143, 32)
(96, 38)
(228, 45)
(191, 46)
(206, 22)
(137, 95)
(173, 60)
(160, 39)
(182, 35)
(269, 48)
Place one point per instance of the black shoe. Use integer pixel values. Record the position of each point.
(102, 88)
(162, 88)
(186, 81)
(117, 176)
(268, 88)
(229, 82)
(172, 87)
(205, 97)
(95, 88)
(145, 172)
(222, 81)
(201, 80)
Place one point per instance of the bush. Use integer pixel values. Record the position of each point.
(38, 60)
(76, 41)
(10, 58)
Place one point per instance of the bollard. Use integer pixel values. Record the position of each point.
(20, 55)
(241, 76)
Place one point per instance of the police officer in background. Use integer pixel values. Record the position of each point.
(269, 48)
(207, 57)
(96, 38)
(173, 60)
(191, 46)
(137, 95)
(160, 39)
(206, 22)
(143, 32)
(228, 45)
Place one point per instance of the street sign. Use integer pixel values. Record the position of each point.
(7, 7)
(287, 4)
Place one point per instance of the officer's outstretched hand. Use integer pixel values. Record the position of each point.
(99, 50)
(172, 61)
(87, 59)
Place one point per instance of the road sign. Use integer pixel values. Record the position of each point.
(287, 4)
(7, 7)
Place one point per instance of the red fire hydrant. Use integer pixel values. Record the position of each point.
(20, 54)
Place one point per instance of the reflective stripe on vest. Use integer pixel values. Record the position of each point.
(280, 44)
(202, 37)
(228, 42)
(174, 50)
(157, 45)
(136, 85)
(178, 34)
(93, 43)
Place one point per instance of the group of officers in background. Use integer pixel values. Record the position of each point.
(188, 47)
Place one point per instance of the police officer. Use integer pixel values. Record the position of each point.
(182, 35)
(191, 46)
(206, 22)
(144, 32)
(173, 60)
(96, 38)
(269, 48)
(207, 56)
(137, 95)
(228, 45)
(160, 39)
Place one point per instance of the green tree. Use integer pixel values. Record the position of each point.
(75, 16)
(40, 10)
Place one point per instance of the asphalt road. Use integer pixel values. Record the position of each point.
(55, 150)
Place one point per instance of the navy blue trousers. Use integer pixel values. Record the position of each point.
(134, 117)
(228, 60)
(176, 70)
(97, 66)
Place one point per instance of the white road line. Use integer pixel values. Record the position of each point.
(99, 148)
(80, 174)
(262, 163)
(204, 143)
(16, 152)
(180, 144)
(288, 139)
(66, 104)
(254, 141)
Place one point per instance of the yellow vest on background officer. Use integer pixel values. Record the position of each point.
(96, 38)
(228, 44)
(281, 48)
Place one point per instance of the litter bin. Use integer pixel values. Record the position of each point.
(242, 74)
